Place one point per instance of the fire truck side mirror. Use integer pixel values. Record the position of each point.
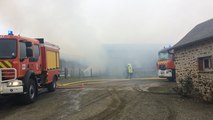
(29, 52)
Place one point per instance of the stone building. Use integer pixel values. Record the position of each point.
(193, 60)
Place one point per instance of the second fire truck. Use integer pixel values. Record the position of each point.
(165, 64)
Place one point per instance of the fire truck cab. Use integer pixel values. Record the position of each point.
(27, 64)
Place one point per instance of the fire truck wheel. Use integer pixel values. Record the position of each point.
(172, 79)
(31, 94)
(52, 86)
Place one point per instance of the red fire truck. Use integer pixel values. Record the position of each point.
(165, 64)
(26, 65)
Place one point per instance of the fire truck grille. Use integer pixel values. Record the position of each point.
(8, 74)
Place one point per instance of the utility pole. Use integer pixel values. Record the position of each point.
(91, 72)
(79, 73)
(65, 72)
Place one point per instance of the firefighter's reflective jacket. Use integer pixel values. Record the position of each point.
(129, 68)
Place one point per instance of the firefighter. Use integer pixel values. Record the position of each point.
(129, 71)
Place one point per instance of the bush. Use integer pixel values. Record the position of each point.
(185, 87)
(200, 88)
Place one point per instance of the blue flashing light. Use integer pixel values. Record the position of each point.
(10, 32)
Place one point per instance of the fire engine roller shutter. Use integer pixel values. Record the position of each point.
(57, 60)
(52, 60)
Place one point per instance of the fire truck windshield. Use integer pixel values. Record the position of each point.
(7, 48)
(163, 55)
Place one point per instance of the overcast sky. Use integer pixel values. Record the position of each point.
(86, 24)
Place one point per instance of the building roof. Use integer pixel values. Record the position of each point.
(201, 32)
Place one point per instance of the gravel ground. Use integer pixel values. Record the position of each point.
(109, 100)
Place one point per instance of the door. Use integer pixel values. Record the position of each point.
(23, 65)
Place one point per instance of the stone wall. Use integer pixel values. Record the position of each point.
(186, 61)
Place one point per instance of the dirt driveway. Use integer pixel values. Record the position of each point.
(109, 100)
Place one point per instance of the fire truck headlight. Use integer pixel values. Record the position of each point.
(14, 83)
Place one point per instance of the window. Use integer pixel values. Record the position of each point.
(205, 63)
(163, 55)
(7, 48)
(23, 53)
(36, 51)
